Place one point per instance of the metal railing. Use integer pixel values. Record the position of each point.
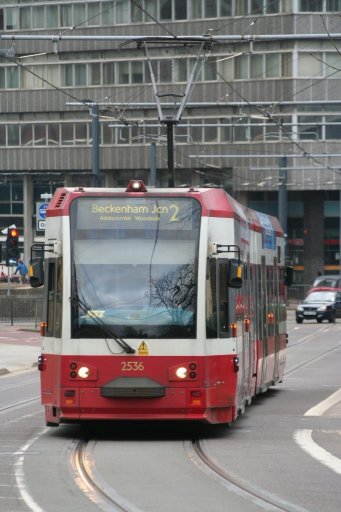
(21, 310)
(297, 292)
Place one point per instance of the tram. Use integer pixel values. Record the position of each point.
(159, 304)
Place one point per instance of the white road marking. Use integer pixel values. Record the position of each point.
(326, 404)
(304, 440)
(20, 476)
(304, 437)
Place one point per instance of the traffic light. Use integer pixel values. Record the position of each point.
(12, 247)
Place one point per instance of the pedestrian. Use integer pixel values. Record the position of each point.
(23, 271)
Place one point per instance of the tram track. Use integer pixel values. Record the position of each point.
(308, 337)
(19, 404)
(91, 483)
(259, 497)
(107, 499)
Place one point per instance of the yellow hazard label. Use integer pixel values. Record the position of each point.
(143, 349)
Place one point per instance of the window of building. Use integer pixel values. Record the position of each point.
(225, 7)
(80, 75)
(122, 12)
(12, 18)
(272, 6)
(272, 65)
(333, 65)
(241, 67)
(241, 8)
(136, 14)
(81, 134)
(165, 67)
(94, 73)
(13, 135)
(27, 134)
(180, 10)
(256, 6)
(53, 134)
(68, 138)
(210, 69)
(333, 5)
(309, 64)
(40, 134)
(2, 77)
(66, 15)
(333, 127)
(52, 16)
(211, 130)
(165, 9)
(196, 9)
(67, 75)
(12, 77)
(109, 73)
(80, 14)
(123, 72)
(38, 16)
(180, 70)
(256, 66)
(136, 72)
(211, 8)
(196, 132)
(151, 8)
(309, 127)
(311, 5)
(2, 135)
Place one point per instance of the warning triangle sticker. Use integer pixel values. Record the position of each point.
(143, 349)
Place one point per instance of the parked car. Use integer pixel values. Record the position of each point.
(327, 281)
(320, 305)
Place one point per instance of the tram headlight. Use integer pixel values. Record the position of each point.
(83, 372)
(181, 372)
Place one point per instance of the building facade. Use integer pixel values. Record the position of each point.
(262, 119)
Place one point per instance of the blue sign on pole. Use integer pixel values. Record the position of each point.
(41, 215)
(42, 210)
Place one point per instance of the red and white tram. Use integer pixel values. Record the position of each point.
(159, 304)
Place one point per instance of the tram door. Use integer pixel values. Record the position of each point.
(277, 313)
(248, 345)
(263, 323)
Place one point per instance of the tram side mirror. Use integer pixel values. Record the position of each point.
(234, 273)
(36, 272)
(288, 276)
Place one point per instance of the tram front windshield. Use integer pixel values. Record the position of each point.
(134, 264)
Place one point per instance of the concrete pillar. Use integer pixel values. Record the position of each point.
(313, 218)
(28, 216)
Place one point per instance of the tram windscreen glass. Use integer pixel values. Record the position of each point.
(134, 266)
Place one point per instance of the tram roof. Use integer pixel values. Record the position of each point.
(215, 202)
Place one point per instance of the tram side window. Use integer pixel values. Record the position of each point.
(54, 298)
(217, 299)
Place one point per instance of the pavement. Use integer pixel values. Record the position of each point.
(19, 347)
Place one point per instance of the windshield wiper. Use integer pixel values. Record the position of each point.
(104, 328)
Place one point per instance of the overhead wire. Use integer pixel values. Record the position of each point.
(136, 3)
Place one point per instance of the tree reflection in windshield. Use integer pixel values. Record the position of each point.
(175, 291)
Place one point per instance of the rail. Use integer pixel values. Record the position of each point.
(297, 292)
(20, 309)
